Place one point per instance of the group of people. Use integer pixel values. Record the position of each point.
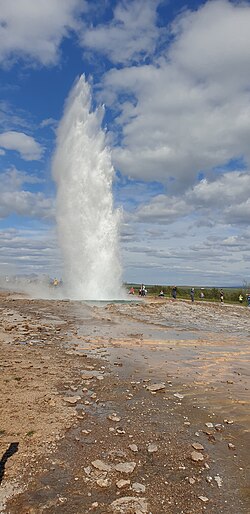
(143, 292)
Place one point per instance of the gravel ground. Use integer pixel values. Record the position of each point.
(139, 407)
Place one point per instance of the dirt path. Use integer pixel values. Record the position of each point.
(83, 430)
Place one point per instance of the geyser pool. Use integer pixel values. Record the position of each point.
(87, 223)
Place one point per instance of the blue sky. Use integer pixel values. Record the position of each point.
(175, 81)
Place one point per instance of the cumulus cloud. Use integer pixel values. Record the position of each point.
(16, 200)
(222, 191)
(130, 36)
(208, 42)
(189, 111)
(223, 200)
(29, 149)
(34, 30)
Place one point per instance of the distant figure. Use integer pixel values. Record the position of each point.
(192, 294)
(143, 290)
(161, 294)
(248, 299)
(202, 295)
(131, 291)
(221, 296)
(240, 298)
(174, 292)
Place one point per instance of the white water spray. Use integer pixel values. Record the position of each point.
(87, 223)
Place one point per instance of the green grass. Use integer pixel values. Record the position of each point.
(30, 433)
(231, 294)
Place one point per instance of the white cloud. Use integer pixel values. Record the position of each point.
(224, 200)
(227, 195)
(130, 36)
(15, 199)
(190, 110)
(163, 209)
(213, 41)
(225, 190)
(49, 122)
(29, 149)
(34, 30)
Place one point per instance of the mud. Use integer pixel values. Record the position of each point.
(68, 367)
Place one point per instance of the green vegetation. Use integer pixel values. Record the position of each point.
(30, 433)
(211, 294)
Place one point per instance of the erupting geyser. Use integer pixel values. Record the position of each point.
(87, 222)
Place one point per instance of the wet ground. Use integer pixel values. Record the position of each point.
(158, 395)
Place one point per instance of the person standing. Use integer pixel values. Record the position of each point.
(221, 296)
(192, 294)
(174, 292)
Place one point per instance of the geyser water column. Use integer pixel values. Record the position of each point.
(86, 220)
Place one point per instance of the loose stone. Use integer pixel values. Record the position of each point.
(203, 499)
(156, 387)
(138, 488)
(102, 482)
(133, 447)
(152, 447)
(130, 504)
(114, 417)
(122, 483)
(197, 446)
(102, 466)
(218, 480)
(197, 456)
(125, 467)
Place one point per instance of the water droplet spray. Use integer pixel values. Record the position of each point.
(88, 225)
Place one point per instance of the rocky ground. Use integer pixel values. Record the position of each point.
(136, 408)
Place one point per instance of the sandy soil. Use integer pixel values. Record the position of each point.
(82, 429)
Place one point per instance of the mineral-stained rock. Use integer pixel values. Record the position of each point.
(130, 504)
